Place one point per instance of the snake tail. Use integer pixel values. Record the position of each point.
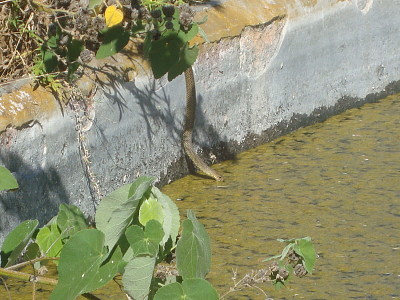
(190, 116)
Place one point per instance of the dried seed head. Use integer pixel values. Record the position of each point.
(144, 13)
(186, 16)
(86, 56)
(299, 270)
(155, 34)
(293, 258)
(98, 23)
(283, 273)
(274, 268)
(156, 14)
(169, 25)
(168, 10)
(64, 40)
(134, 14)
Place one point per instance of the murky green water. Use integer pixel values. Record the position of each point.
(338, 182)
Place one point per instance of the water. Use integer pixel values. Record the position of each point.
(338, 182)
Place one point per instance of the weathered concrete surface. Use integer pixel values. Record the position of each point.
(299, 65)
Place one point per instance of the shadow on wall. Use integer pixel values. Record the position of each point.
(39, 194)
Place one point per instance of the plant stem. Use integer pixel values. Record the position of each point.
(27, 277)
(30, 262)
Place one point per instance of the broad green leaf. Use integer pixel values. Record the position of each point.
(194, 30)
(70, 220)
(203, 34)
(193, 251)
(107, 271)
(190, 289)
(305, 249)
(16, 241)
(278, 285)
(151, 209)
(138, 275)
(49, 240)
(147, 44)
(171, 216)
(164, 54)
(7, 180)
(286, 250)
(115, 39)
(74, 50)
(145, 242)
(32, 252)
(140, 186)
(50, 60)
(94, 3)
(80, 265)
(115, 211)
(52, 42)
(187, 58)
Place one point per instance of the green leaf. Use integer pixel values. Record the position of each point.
(70, 220)
(80, 265)
(190, 289)
(305, 249)
(171, 216)
(50, 60)
(164, 54)
(49, 240)
(151, 210)
(147, 44)
(203, 35)
(32, 252)
(75, 48)
(7, 180)
(187, 58)
(115, 39)
(107, 271)
(193, 31)
(278, 284)
(16, 241)
(137, 277)
(145, 242)
(94, 3)
(193, 251)
(115, 211)
(52, 42)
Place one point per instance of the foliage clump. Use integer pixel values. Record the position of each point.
(53, 39)
(137, 233)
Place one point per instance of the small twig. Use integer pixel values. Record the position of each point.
(20, 265)
(5, 1)
(34, 290)
(27, 277)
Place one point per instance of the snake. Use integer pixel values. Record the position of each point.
(190, 115)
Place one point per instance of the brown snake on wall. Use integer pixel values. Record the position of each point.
(190, 115)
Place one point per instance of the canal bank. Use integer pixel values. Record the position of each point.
(284, 66)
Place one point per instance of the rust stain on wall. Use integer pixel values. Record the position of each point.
(25, 105)
(229, 18)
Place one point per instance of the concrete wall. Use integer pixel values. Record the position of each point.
(289, 65)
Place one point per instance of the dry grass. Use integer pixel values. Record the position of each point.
(21, 30)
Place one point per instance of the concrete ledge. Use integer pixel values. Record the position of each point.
(301, 64)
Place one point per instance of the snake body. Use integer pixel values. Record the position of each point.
(190, 116)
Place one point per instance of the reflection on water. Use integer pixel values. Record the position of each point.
(338, 182)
